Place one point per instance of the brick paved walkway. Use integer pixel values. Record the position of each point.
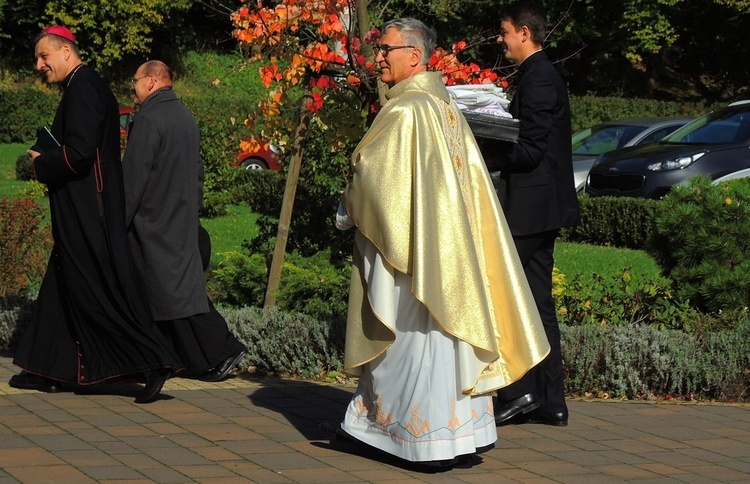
(266, 431)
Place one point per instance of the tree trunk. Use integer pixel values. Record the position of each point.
(300, 137)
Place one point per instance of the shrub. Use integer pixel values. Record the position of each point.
(293, 344)
(640, 362)
(311, 285)
(617, 221)
(24, 172)
(314, 286)
(622, 300)
(25, 110)
(702, 242)
(240, 280)
(15, 315)
(24, 244)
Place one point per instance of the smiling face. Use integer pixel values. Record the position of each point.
(53, 59)
(398, 64)
(512, 41)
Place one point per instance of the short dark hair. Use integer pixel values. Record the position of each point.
(58, 42)
(530, 14)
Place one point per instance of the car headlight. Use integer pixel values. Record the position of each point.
(675, 163)
(274, 149)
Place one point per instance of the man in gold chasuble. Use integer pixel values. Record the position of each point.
(440, 312)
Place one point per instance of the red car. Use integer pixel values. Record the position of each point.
(267, 157)
(126, 115)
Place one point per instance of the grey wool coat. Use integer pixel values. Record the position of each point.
(163, 177)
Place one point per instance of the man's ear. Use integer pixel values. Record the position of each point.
(416, 56)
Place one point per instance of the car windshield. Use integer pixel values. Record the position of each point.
(719, 127)
(603, 138)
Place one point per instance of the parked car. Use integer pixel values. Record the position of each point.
(589, 143)
(716, 144)
(266, 157)
(126, 116)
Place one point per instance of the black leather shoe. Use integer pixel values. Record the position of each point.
(505, 411)
(155, 380)
(558, 419)
(221, 371)
(29, 381)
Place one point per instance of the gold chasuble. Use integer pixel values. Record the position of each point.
(421, 194)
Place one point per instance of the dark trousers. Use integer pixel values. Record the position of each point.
(203, 341)
(546, 379)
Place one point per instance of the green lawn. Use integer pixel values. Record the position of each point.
(9, 153)
(572, 258)
(228, 233)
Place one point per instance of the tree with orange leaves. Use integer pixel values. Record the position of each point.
(315, 45)
(319, 46)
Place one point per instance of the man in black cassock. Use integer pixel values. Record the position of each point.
(91, 323)
(163, 177)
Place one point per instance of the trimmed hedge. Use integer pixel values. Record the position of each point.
(587, 111)
(617, 221)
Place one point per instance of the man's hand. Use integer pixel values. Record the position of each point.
(33, 154)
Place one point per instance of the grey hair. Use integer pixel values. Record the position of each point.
(416, 33)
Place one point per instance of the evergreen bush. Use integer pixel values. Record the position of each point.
(24, 172)
(313, 285)
(702, 242)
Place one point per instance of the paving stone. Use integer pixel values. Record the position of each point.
(266, 430)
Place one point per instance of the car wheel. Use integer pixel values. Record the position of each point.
(253, 164)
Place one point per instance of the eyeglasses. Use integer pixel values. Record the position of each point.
(134, 80)
(385, 48)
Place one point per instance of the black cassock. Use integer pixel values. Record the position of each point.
(91, 321)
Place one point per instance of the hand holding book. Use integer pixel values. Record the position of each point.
(45, 141)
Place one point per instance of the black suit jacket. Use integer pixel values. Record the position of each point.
(536, 185)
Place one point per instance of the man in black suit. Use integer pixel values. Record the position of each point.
(537, 193)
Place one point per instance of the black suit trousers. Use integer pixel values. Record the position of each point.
(546, 379)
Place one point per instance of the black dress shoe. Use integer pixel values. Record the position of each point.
(29, 381)
(155, 380)
(221, 371)
(505, 411)
(558, 419)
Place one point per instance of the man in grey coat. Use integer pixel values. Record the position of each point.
(163, 176)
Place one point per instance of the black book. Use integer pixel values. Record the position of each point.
(45, 141)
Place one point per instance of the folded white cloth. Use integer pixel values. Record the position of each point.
(481, 98)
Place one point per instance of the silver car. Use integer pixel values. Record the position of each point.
(589, 143)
